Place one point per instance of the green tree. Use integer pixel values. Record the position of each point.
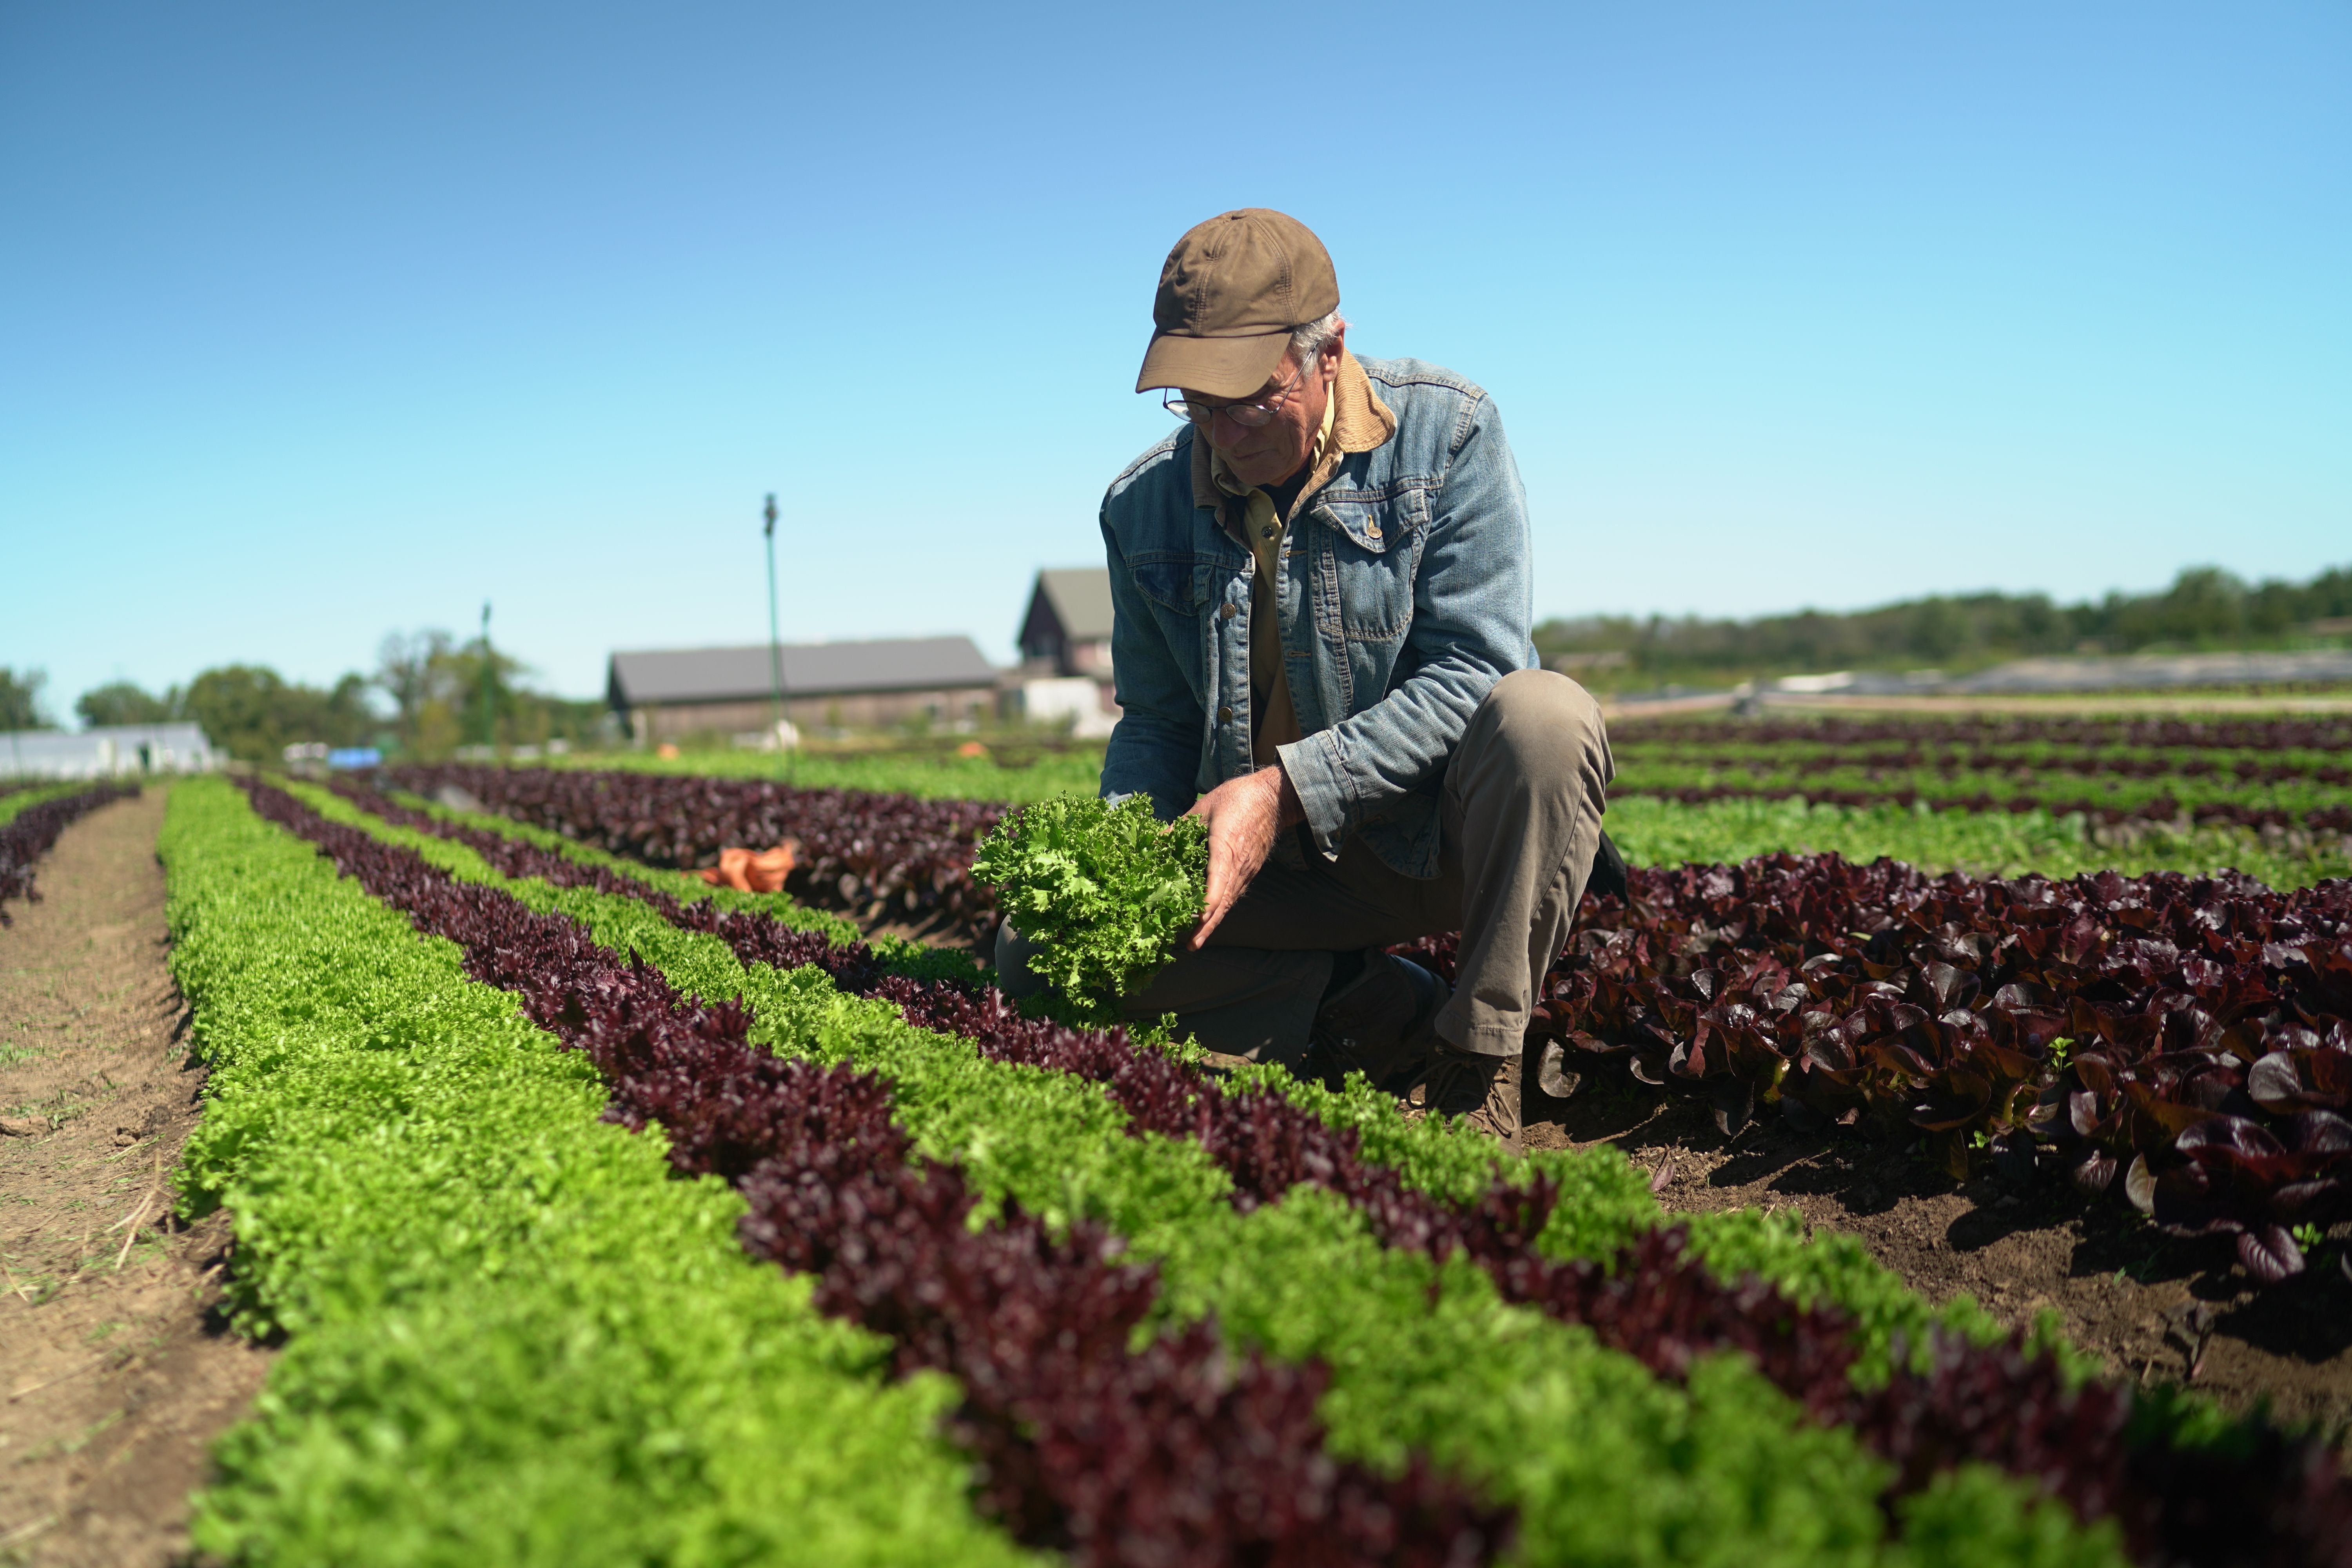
(2041, 627)
(121, 703)
(20, 699)
(256, 713)
(1937, 630)
(413, 669)
(2204, 607)
(485, 705)
(439, 698)
(2329, 596)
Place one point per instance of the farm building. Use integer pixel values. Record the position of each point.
(1066, 651)
(110, 751)
(1067, 628)
(667, 694)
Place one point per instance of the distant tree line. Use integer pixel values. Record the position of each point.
(2204, 608)
(428, 695)
(443, 697)
(20, 698)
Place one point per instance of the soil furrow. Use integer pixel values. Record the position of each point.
(115, 1374)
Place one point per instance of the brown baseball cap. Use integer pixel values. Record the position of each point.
(1228, 295)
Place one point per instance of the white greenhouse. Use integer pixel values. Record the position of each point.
(110, 752)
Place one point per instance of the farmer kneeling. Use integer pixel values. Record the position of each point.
(1320, 585)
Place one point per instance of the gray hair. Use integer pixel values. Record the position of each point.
(1308, 341)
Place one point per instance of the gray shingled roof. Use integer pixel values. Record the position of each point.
(1081, 600)
(811, 669)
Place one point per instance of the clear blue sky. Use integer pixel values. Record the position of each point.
(318, 322)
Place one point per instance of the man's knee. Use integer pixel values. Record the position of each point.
(1545, 723)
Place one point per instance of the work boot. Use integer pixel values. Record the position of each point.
(1382, 1024)
(1484, 1089)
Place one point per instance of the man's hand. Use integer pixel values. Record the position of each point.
(1243, 815)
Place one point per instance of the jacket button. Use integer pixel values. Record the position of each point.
(1226, 614)
(1224, 715)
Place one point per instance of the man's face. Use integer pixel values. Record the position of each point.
(1276, 450)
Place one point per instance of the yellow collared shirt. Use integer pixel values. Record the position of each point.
(1263, 528)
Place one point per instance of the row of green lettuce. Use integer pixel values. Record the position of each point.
(1654, 832)
(1640, 746)
(1605, 1463)
(511, 1334)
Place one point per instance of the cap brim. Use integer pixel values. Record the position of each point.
(1222, 367)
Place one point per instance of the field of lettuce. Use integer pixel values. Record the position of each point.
(2180, 1039)
(2288, 779)
(606, 1217)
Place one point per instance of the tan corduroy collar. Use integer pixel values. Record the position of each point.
(1359, 422)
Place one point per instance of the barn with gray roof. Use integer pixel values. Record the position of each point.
(669, 694)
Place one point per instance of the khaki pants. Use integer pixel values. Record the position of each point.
(1524, 797)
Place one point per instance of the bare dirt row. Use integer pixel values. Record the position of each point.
(115, 1371)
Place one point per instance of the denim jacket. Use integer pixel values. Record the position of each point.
(1403, 593)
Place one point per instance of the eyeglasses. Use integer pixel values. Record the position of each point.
(1248, 415)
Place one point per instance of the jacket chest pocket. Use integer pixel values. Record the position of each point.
(1370, 548)
(1183, 590)
(1176, 584)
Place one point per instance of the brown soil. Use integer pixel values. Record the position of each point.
(115, 1373)
(2092, 704)
(935, 931)
(2155, 1307)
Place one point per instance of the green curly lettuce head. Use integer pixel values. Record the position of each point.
(1103, 892)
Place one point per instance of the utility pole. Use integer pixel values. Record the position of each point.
(775, 636)
(489, 681)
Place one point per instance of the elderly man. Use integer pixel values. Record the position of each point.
(1320, 584)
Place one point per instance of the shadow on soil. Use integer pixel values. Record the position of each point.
(2155, 1307)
